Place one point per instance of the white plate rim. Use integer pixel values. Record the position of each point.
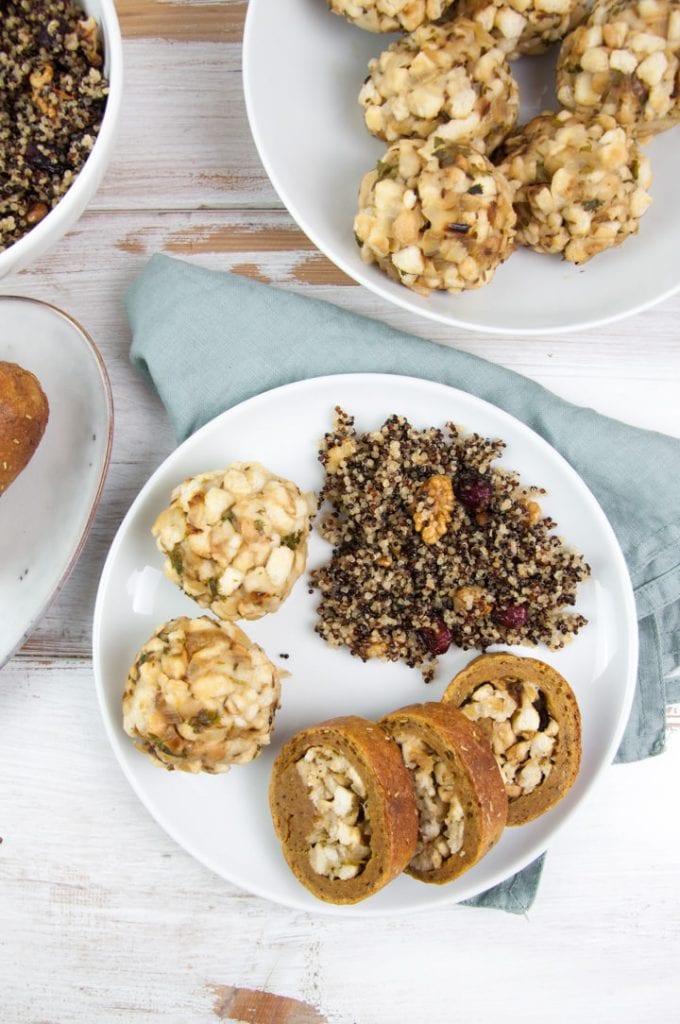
(108, 397)
(366, 910)
(358, 274)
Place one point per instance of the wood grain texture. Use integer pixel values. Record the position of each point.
(252, 1007)
(182, 22)
(184, 141)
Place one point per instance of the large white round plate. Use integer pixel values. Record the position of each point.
(303, 68)
(46, 514)
(224, 820)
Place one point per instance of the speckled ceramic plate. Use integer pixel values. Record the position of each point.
(46, 514)
(223, 820)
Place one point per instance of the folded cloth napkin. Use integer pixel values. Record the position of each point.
(207, 340)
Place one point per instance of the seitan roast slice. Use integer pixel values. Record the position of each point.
(460, 793)
(532, 720)
(343, 806)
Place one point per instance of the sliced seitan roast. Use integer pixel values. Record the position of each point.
(460, 793)
(344, 809)
(530, 715)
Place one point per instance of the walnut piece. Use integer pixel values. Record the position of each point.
(433, 512)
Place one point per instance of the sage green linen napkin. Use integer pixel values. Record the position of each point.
(207, 340)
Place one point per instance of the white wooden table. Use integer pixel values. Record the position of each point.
(102, 917)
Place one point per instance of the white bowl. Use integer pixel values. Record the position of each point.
(69, 208)
(302, 69)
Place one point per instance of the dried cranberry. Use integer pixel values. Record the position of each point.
(437, 638)
(474, 491)
(513, 616)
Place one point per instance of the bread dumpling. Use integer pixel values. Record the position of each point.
(236, 539)
(451, 77)
(390, 15)
(435, 215)
(200, 696)
(581, 184)
(624, 61)
(525, 26)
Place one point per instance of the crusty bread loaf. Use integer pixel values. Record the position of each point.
(347, 847)
(24, 411)
(532, 720)
(460, 792)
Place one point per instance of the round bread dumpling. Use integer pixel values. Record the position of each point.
(390, 15)
(625, 61)
(451, 77)
(460, 792)
(581, 185)
(525, 26)
(530, 715)
(200, 696)
(236, 539)
(344, 809)
(434, 215)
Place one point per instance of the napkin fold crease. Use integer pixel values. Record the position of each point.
(207, 340)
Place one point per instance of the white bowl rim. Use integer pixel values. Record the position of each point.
(375, 285)
(22, 251)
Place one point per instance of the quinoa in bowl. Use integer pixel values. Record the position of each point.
(53, 97)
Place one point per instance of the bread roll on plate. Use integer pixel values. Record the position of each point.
(530, 715)
(343, 806)
(24, 411)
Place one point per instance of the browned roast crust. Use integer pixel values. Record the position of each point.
(479, 784)
(24, 411)
(562, 706)
(391, 807)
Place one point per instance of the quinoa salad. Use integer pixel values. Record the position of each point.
(52, 100)
(434, 545)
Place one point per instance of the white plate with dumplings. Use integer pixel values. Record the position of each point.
(303, 68)
(223, 820)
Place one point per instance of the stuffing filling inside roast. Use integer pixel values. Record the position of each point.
(523, 734)
(448, 75)
(340, 841)
(441, 819)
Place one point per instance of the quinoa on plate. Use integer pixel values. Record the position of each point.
(435, 545)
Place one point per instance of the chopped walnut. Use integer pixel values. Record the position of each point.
(472, 600)
(433, 512)
(339, 453)
(534, 511)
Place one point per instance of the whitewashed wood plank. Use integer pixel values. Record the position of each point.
(112, 922)
(184, 140)
(629, 369)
